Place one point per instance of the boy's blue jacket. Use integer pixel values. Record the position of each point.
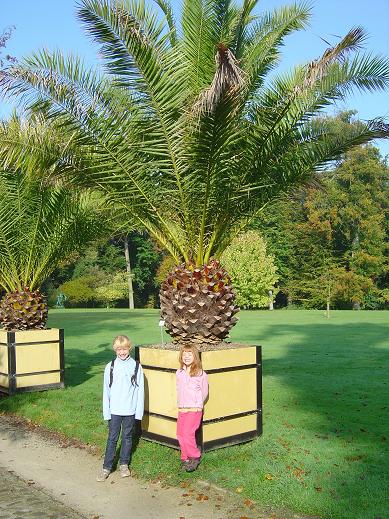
(122, 398)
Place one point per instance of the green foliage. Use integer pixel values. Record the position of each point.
(330, 241)
(102, 267)
(78, 290)
(117, 289)
(41, 223)
(252, 270)
(145, 259)
(186, 132)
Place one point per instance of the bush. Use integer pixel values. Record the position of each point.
(252, 271)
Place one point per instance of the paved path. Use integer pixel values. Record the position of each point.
(68, 475)
(44, 479)
(23, 500)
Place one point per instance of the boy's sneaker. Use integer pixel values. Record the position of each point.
(124, 471)
(193, 464)
(102, 476)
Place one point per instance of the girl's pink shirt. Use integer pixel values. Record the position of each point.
(191, 391)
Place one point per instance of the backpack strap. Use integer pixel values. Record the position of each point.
(111, 373)
(135, 374)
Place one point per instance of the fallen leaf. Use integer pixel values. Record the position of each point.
(184, 484)
(269, 477)
(239, 490)
(248, 503)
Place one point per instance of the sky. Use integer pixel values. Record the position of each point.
(52, 24)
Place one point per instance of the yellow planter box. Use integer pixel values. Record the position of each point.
(233, 410)
(31, 360)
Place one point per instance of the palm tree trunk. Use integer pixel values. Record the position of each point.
(129, 275)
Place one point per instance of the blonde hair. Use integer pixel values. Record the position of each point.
(196, 367)
(122, 341)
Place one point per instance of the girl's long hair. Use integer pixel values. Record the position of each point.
(196, 368)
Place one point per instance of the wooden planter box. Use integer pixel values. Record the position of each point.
(31, 360)
(233, 411)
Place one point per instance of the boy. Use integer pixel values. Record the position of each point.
(123, 403)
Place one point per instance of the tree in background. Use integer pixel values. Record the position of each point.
(252, 270)
(332, 238)
(100, 270)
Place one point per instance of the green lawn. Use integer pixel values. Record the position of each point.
(324, 449)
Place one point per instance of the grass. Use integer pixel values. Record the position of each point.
(325, 444)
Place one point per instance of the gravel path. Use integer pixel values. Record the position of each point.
(43, 477)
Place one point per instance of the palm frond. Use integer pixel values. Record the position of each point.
(184, 132)
(167, 10)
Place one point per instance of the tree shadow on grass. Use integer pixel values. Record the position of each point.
(333, 397)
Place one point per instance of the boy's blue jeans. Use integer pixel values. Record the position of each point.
(126, 424)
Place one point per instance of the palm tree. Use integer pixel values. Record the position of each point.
(188, 133)
(41, 223)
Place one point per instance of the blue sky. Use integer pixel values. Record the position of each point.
(52, 24)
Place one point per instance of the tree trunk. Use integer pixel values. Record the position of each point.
(129, 275)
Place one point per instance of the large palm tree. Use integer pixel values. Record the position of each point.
(41, 223)
(187, 132)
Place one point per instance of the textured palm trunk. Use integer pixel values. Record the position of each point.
(198, 304)
(131, 305)
(23, 310)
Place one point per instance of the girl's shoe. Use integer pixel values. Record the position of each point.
(185, 465)
(103, 474)
(193, 464)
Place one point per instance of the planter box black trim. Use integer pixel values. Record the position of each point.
(163, 416)
(230, 440)
(164, 440)
(31, 343)
(42, 387)
(259, 390)
(206, 446)
(11, 363)
(209, 371)
(212, 420)
(37, 373)
(62, 357)
(231, 417)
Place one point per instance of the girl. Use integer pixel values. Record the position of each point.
(192, 390)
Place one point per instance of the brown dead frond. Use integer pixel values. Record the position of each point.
(317, 69)
(229, 79)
